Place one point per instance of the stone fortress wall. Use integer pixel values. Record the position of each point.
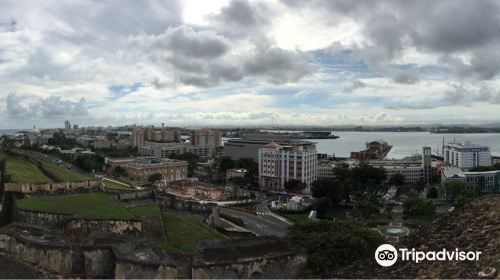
(54, 188)
(168, 200)
(94, 248)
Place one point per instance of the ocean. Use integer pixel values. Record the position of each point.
(404, 143)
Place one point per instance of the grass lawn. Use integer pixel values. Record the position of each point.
(64, 174)
(23, 171)
(184, 231)
(337, 212)
(3, 155)
(89, 205)
(296, 217)
(116, 186)
(148, 210)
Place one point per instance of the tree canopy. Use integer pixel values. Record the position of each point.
(332, 244)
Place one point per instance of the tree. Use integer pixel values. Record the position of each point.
(326, 188)
(120, 172)
(322, 207)
(342, 172)
(416, 206)
(226, 163)
(432, 193)
(191, 159)
(90, 162)
(397, 179)
(480, 186)
(419, 185)
(154, 178)
(331, 245)
(454, 190)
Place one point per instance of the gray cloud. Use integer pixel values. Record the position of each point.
(185, 41)
(356, 84)
(47, 108)
(277, 65)
(244, 18)
(240, 13)
(443, 27)
(457, 94)
(202, 58)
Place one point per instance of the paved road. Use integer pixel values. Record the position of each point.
(264, 225)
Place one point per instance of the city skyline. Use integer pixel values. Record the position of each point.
(249, 63)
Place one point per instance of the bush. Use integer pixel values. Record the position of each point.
(432, 193)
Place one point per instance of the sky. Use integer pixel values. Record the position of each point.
(245, 63)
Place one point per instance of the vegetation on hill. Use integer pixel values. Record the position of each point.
(332, 244)
(23, 171)
(88, 205)
(60, 140)
(148, 210)
(116, 186)
(184, 231)
(63, 174)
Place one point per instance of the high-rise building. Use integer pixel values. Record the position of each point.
(206, 137)
(67, 127)
(138, 136)
(466, 155)
(279, 164)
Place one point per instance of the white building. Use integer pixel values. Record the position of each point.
(413, 169)
(279, 164)
(466, 155)
(325, 170)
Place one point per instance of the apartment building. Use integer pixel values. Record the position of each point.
(279, 164)
(466, 155)
(140, 135)
(206, 137)
(164, 150)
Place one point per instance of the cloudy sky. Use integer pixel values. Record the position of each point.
(245, 62)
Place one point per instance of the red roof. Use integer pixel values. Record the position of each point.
(272, 145)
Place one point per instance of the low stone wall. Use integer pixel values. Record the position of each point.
(52, 188)
(135, 195)
(132, 227)
(98, 261)
(262, 257)
(34, 248)
(70, 224)
(143, 261)
(117, 258)
(167, 200)
(40, 218)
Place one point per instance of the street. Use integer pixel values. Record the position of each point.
(261, 225)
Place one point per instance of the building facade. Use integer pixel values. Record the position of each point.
(279, 164)
(249, 146)
(165, 150)
(140, 135)
(414, 169)
(472, 179)
(466, 155)
(139, 169)
(206, 137)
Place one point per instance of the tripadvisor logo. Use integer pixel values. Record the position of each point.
(387, 255)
